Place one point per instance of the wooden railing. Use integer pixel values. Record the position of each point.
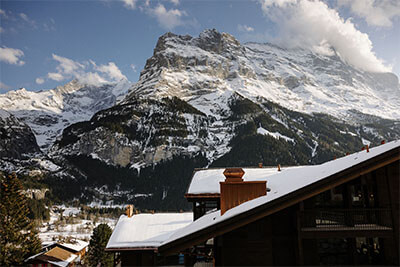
(363, 219)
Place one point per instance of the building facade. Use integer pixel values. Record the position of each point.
(343, 212)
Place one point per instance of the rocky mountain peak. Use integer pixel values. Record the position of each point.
(213, 41)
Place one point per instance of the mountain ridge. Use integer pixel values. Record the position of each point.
(210, 101)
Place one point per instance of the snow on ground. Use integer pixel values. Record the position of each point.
(72, 225)
(4, 114)
(275, 135)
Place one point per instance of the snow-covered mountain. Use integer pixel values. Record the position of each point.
(206, 70)
(48, 112)
(209, 101)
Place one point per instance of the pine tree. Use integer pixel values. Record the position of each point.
(18, 238)
(97, 244)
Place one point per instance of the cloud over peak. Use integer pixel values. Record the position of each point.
(375, 12)
(167, 18)
(85, 72)
(313, 24)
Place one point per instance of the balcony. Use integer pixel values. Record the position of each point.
(353, 222)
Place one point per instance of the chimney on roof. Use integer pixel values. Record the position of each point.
(279, 167)
(367, 148)
(234, 191)
(260, 165)
(383, 142)
(129, 211)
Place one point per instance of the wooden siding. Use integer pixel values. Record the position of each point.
(236, 193)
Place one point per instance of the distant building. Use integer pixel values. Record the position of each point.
(136, 238)
(342, 212)
(61, 254)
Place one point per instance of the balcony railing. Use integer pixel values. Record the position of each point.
(362, 219)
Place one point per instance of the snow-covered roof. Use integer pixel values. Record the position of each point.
(56, 256)
(207, 181)
(146, 230)
(283, 183)
(77, 245)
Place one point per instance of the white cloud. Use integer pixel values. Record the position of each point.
(130, 4)
(3, 13)
(85, 72)
(50, 26)
(67, 66)
(28, 20)
(133, 67)
(39, 80)
(112, 71)
(175, 2)
(167, 19)
(312, 24)
(245, 28)
(56, 76)
(11, 56)
(4, 86)
(375, 12)
(91, 78)
(24, 17)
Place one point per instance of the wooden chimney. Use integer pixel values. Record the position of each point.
(129, 211)
(234, 191)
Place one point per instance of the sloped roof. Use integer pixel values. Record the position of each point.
(206, 181)
(76, 245)
(283, 185)
(56, 256)
(146, 231)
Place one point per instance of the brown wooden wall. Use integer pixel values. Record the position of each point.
(276, 239)
(138, 258)
(236, 193)
(269, 241)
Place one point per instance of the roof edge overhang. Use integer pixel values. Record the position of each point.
(202, 195)
(283, 202)
(117, 249)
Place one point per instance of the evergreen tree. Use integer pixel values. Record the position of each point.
(18, 238)
(97, 244)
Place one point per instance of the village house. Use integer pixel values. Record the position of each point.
(342, 212)
(61, 254)
(136, 238)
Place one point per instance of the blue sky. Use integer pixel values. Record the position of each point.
(48, 43)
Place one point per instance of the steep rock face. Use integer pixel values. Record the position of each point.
(199, 69)
(16, 138)
(145, 132)
(49, 112)
(210, 101)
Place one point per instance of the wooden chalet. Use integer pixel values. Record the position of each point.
(342, 212)
(61, 254)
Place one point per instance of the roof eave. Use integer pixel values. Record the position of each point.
(282, 202)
